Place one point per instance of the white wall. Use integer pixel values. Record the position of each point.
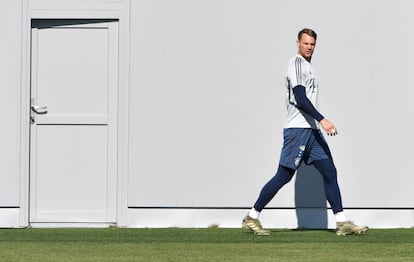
(207, 106)
(368, 96)
(202, 111)
(10, 53)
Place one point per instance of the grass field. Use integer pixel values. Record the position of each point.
(212, 244)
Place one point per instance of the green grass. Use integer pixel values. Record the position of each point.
(213, 244)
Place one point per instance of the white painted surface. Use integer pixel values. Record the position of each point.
(208, 107)
(10, 53)
(73, 147)
(205, 105)
(279, 218)
(9, 217)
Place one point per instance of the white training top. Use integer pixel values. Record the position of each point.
(300, 72)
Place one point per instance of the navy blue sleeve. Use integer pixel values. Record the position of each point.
(303, 103)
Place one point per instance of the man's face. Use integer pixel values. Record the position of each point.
(306, 46)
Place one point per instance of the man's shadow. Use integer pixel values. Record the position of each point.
(310, 199)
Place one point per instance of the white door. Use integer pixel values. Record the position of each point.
(73, 136)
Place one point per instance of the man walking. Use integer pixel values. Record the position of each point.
(303, 140)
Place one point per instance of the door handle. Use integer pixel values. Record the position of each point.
(40, 110)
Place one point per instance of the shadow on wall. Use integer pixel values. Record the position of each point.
(310, 199)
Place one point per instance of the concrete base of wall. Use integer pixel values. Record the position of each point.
(71, 225)
(311, 218)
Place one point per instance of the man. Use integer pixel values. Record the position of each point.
(303, 141)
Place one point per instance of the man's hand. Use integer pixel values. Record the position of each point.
(329, 127)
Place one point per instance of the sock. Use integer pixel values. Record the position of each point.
(340, 217)
(253, 213)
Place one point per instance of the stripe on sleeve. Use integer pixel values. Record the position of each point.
(298, 68)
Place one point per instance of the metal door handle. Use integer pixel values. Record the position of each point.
(40, 110)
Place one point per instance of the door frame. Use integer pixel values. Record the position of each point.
(75, 9)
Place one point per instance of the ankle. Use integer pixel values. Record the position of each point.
(253, 213)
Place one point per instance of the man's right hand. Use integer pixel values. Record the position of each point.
(329, 127)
